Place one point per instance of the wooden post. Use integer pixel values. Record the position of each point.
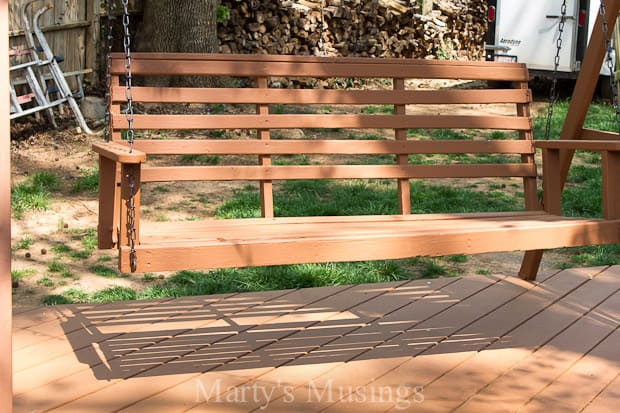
(531, 259)
(611, 184)
(586, 83)
(404, 190)
(108, 203)
(93, 40)
(266, 187)
(552, 185)
(6, 311)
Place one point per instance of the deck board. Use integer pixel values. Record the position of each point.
(470, 343)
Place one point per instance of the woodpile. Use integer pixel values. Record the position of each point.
(454, 29)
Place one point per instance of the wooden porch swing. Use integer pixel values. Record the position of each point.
(168, 246)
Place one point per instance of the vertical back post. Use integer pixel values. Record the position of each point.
(6, 304)
(114, 109)
(266, 187)
(404, 191)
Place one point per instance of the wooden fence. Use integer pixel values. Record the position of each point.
(73, 29)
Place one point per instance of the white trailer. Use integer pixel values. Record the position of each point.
(526, 31)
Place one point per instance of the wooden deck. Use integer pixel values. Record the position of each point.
(474, 344)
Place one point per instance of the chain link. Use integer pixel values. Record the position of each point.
(553, 94)
(128, 77)
(610, 63)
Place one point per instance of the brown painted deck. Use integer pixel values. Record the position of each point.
(474, 344)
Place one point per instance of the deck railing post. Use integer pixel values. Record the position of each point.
(6, 312)
(108, 203)
(611, 184)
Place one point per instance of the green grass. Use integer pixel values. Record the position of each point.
(56, 299)
(432, 269)
(292, 160)
(372, 109)
(88, 238)
(103, 271)
(161, 189)
(76, 295)
(596, 255)
(458, 259)
(114, 294)
(600, 116)
(323, 198)
(56, 266)
(33, 194)
(46, 282)
(80, 255)
(18, 275)
(440, 134)
(24, 243)
(61, 249)
(200, 159)
(217, 108)
(367, 137)
(88, 182)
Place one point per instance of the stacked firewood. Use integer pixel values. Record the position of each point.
(454, 29)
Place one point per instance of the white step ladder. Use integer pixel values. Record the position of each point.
(35, 74)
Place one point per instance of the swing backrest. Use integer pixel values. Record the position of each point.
(316, 99)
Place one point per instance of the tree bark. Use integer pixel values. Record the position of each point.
(180, 26)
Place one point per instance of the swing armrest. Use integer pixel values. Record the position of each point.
(119, 153)
(580, 145)
(610, 166)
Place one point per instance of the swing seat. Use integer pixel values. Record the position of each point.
(276, 241)
(167, 246)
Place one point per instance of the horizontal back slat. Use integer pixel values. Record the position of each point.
(318, 147)
(320, 121)
(320, 96)
(263, 58)
(300, 66)
(403, 71)
(261, 173)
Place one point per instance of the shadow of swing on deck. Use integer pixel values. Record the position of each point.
(340, 324)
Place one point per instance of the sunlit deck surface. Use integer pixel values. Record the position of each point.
(473, 344)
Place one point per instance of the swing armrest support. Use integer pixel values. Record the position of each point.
(118, 152)
(610, 166)
(113, 157)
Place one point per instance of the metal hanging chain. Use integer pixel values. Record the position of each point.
(131, 202)
(109, 6)
(128, 77)
(610, 64)
(553, 93)
(131, 222)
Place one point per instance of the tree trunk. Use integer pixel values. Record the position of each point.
(180, 26)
